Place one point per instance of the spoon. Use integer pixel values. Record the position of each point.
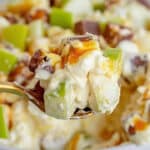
(16, 89)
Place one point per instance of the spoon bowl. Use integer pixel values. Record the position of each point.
(14, 88)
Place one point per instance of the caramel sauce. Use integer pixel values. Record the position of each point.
(140, 124)
(74, 142)
(76, 53)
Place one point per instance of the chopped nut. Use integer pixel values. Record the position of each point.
(38, 93)
(114, 33)
(36, 60)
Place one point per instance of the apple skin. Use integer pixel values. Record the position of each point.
(7, 61)
(60, 17)
(16, 34)
(3, 125)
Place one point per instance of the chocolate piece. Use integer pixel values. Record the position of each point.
(35, 60)
(52, 2)
(38, 93)
(55, 3)
(131, 130)
(114, 33)
(139, 61)
(146, 3)
(85, 26)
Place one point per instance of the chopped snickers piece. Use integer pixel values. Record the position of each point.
(36, 60)
(131, 130)
(139, 61)
(38, 93)
(146, 3)
(114, 33)
(85, 26)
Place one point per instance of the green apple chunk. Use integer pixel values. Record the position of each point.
(115, 56)
(3, 125)
(16, 34)
(7, 61)
(36, 29)
(59, 102)
(113, 53)
(60, 17)
(98, 5)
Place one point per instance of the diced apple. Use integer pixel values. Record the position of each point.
(113, 53)
(59, 102)
(99, 4)
(115, 59)
(16, 34)
(3, 125)
(60, 17)
(7, 61)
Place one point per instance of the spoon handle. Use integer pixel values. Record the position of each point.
(8, 87)
(12, 88)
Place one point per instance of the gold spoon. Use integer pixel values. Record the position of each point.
(8, 87)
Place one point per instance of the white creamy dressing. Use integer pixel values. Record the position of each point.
(32, 129)
(129, 50)
(73, 6)
(86, 76)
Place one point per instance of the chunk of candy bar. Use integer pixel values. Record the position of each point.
(114, 33)
(85, 26)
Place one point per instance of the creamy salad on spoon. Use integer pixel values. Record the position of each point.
(78, 78)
